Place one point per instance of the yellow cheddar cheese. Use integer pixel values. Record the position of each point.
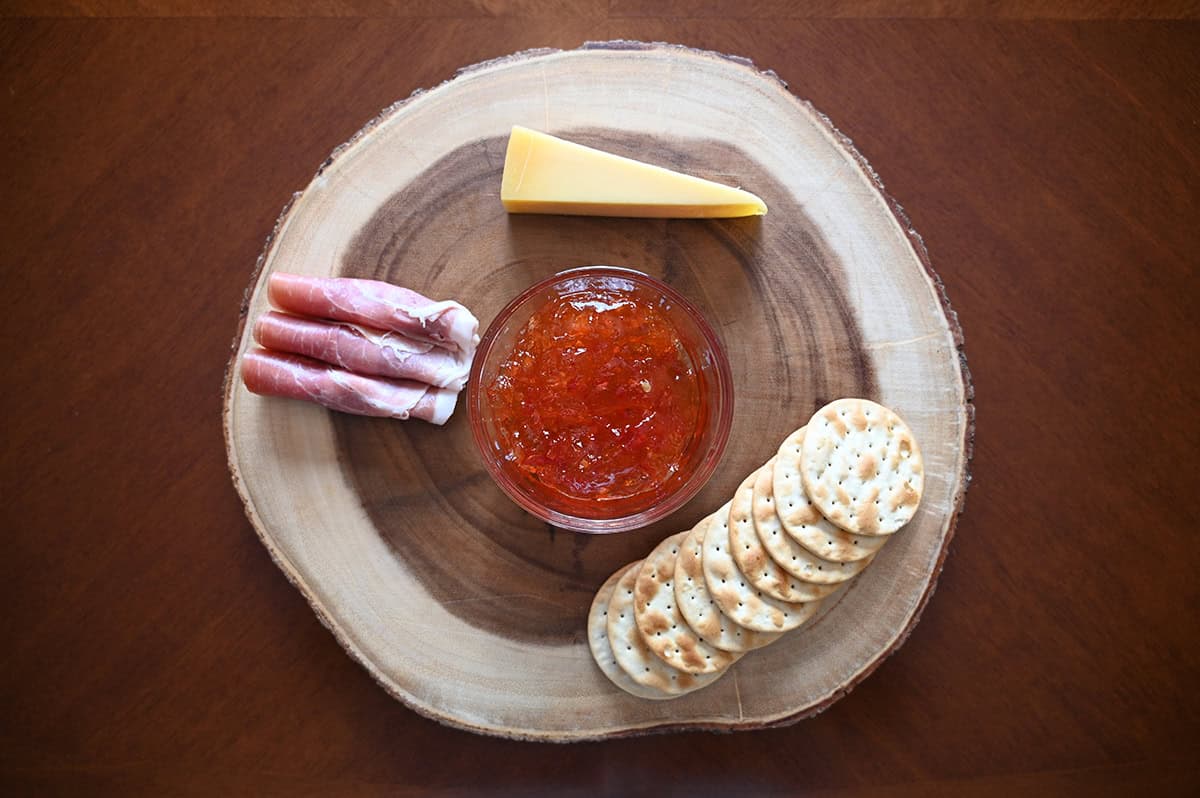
(544, 174)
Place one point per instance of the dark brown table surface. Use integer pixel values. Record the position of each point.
(1049, 153)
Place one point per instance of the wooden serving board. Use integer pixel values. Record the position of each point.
(460, 604)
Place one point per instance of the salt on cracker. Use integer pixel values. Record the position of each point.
(631, 652)
(697, 605)
(861, 467)
(801, 520)
(657, 614)
(752, 558)
(602, 650)
(737, 597)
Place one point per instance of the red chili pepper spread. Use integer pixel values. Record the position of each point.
(599, 400)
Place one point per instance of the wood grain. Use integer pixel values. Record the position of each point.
(825, 297)
(151, 647)
(709, 9)
(739, 273)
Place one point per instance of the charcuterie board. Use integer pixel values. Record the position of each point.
(456, 601)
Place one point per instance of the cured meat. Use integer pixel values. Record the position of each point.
(363, 350)
(377, 304)
(296, 377)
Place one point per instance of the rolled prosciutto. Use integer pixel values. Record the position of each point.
(363, 350)
(377, 304)
(296, 377)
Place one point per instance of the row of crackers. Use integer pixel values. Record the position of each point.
(798, 528)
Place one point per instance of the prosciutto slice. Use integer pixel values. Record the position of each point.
(295, 377)
(377, 304)
(363, 350)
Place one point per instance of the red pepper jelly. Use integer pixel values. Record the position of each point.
(600, 404)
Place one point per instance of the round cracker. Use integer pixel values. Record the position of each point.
(697, 605)
(631, 652)
(790, 555)
(801, 520)
(602, 650)
(752, 558)
(658, 618)
(862, 467)
(736, 596)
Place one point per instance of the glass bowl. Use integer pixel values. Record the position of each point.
(700, 352)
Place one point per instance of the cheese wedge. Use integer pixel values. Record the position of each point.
(544, 174)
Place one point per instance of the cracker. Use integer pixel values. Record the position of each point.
(602, 650)
(783, 549)
(698, 607)
(802, 521)
(631, 652)
(752, 558)
(737, 597)
(861, 467)
(657, 614)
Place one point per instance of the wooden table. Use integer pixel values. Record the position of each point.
(1049, 153)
